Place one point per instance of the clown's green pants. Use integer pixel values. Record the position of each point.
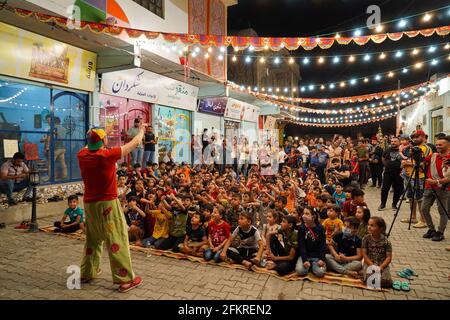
(105, 222)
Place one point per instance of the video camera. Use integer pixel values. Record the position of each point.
(417, 154)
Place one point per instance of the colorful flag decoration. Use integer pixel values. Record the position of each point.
(99, 10)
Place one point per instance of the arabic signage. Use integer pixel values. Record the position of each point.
(143, 85)
(31, 56)
(215, 106)
(241, 111)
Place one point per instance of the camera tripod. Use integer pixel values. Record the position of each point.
(415, 174)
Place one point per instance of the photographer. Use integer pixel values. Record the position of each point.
(392, 160)
(340, 172)
(418, 151)
(438, 179)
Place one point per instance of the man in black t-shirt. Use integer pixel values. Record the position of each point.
(392, 160)
(149, 145)
(341, 172)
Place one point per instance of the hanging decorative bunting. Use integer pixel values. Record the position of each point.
(238, 42)
(346, 124)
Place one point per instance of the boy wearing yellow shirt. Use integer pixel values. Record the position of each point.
(332, 224)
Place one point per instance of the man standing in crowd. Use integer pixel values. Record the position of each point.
(105, 221)
(438, 179)
(392, 161)
(14, 178)
(150, 142)
(304, 151)
(416, 192)
(363, 159)
(137, 153)
(376, 165)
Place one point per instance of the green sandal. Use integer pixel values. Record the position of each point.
(404, 274)
(410, 272)
(397, 285)
(405, 286)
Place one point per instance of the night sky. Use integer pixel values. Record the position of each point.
(292, 18)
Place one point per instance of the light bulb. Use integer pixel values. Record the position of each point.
(366, 57)
(415, 51)
(357, 33)
(248, 59)
(336, 59)
(321, 60)
(402, 23)
(351, 59)
(305, 60)
(379, 28)
(262, 60)
(382, 56)
(234, 59)
(277, 60)
(427, 17)
(291, 60)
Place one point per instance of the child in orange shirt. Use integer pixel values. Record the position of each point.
(333, 224)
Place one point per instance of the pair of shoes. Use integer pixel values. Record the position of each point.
(398, 285)
(430, 234)
(420, 224)
(131, 285)
(394, 207)
(381, 207)
(55, 199)
(438, 236)
(2, 225)
(407, 221)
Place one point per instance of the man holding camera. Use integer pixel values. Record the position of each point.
(437, 184)
(341, 172)
(419, 150)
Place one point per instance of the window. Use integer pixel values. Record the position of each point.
(155, 6)
(28, 113)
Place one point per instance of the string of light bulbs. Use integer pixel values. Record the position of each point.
(334, 59)
(374, 107)
(343, 123)
(18, 94)
(349, 82)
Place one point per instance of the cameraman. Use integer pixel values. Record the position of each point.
(392, 160)
(418, 150)
(438, 179)
(341, 172)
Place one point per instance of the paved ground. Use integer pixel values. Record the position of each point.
(34, 266)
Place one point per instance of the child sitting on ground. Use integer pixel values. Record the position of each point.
(321, 206)
(311, 245)
(123, 171)
(339, 195)
(271, 226)
(332, 224)
(162, 218)
(377, 251)
(281, 255)
(135, 220)
(330, 187)
(219, 232)
(250, 248)
(178, 223)
(75, 215)
(357, 199)
(195, 241)
(363, 216)
(345, 250)
(122, 188)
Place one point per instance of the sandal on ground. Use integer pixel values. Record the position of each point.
(405, 286)
(410, 272)
(404, 275)
(397, 285)
(2, 225)
(131, 285)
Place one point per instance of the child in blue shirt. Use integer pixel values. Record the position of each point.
(75, 215)
(339, 195)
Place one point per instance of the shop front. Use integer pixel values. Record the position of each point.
(165, 103)
(45, 88)
(242, 120)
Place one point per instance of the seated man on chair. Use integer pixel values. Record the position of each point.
(14, 178)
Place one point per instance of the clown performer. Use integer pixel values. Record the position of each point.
(105, 221)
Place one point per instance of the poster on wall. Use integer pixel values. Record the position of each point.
(45, 59)
(233, 109)
(215, 106)
(173, 132)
